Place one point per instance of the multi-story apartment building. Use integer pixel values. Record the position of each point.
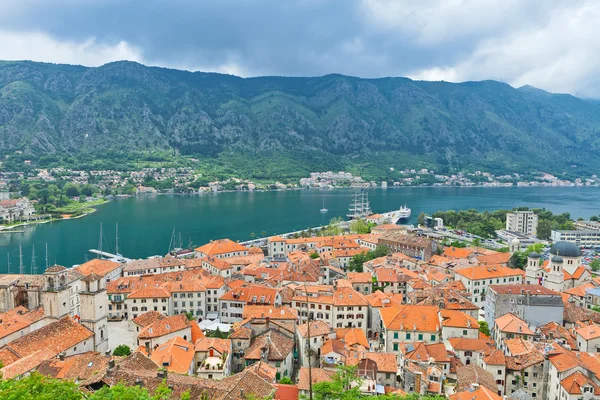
(584, 238)
(341, 307)
(409, 323)
(524, 222)
(413, 246)
(477, 279)
(535, 304)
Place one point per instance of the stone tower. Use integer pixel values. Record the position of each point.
(533, 271)
(56, 297)
(555, 278)
(94, 305)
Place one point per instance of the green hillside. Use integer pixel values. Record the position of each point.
(270, 126)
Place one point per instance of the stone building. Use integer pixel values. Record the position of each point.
(533, 303)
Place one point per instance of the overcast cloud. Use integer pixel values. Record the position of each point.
(550, 44)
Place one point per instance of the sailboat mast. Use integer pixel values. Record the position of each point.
(20, 260)
(117, 240)
(33, 266)
(100, 242)
(172, 240)
(46, 255)
(8, 256)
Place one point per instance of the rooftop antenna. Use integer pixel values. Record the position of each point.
(20, 260)
(8, 256)
(46, 255)
(33, 266)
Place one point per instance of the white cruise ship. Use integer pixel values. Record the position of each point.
(401, 216)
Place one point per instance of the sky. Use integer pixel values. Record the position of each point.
(550, 44)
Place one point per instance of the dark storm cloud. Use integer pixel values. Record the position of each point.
(519, 41)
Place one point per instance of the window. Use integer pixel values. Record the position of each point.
(432, 338)
(408, 336)
(395, 335)
(464, 332)
(420, 336)
(395, 346)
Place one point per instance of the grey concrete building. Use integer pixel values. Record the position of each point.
(534, 304)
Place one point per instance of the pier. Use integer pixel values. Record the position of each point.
(110, 256)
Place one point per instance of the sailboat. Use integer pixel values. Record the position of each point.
(324, 210)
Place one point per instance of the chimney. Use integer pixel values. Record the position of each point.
(61, 356)
(148, 350)
(107, 353)
(111, 364)
(267, 320)
(139, 382)
(162, 374)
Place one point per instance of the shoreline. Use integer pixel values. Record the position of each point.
(91, 209)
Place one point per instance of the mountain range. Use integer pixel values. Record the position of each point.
(332, 121)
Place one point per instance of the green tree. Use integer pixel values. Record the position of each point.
(314, 255)
(421, 218)
(189, 315)
(71, 191)
(544, 229)
(595, 265)
(484, 328)
(285, 380)
(121, 392)
(122, 350)
(360, 226)
(39, 387)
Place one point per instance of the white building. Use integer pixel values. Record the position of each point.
(524, 222)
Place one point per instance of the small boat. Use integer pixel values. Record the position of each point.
(324, 210)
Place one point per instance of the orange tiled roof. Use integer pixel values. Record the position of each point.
(317, 375)
(251, 295)
(512, 324)
(488, 272)
(468, 344)
(411, 317)
(175, 355)
(51, 339)
(164, 326)
(589, 332)
(581, 290)
(458, 319)
(150, 293)
(351, 336)
(272, 312)
(457, 252)
(574, 382)
(497, 258)
(220, 345)
(518, 346)
(479, 393)
(317, 328)
(221, 246)
(496, 358)
(98, 266)
(147, 318)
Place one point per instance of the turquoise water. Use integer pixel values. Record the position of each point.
(146, 223)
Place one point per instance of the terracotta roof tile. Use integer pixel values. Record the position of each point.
(574, 382)
(148, 318)
(411, 317)
(278, 346)
(510, 323)
(488, 272)
(175, 355)
(317, 375)
(221, 246)
(164, 326)
(479, 393)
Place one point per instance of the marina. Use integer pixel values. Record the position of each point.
(146, 222)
